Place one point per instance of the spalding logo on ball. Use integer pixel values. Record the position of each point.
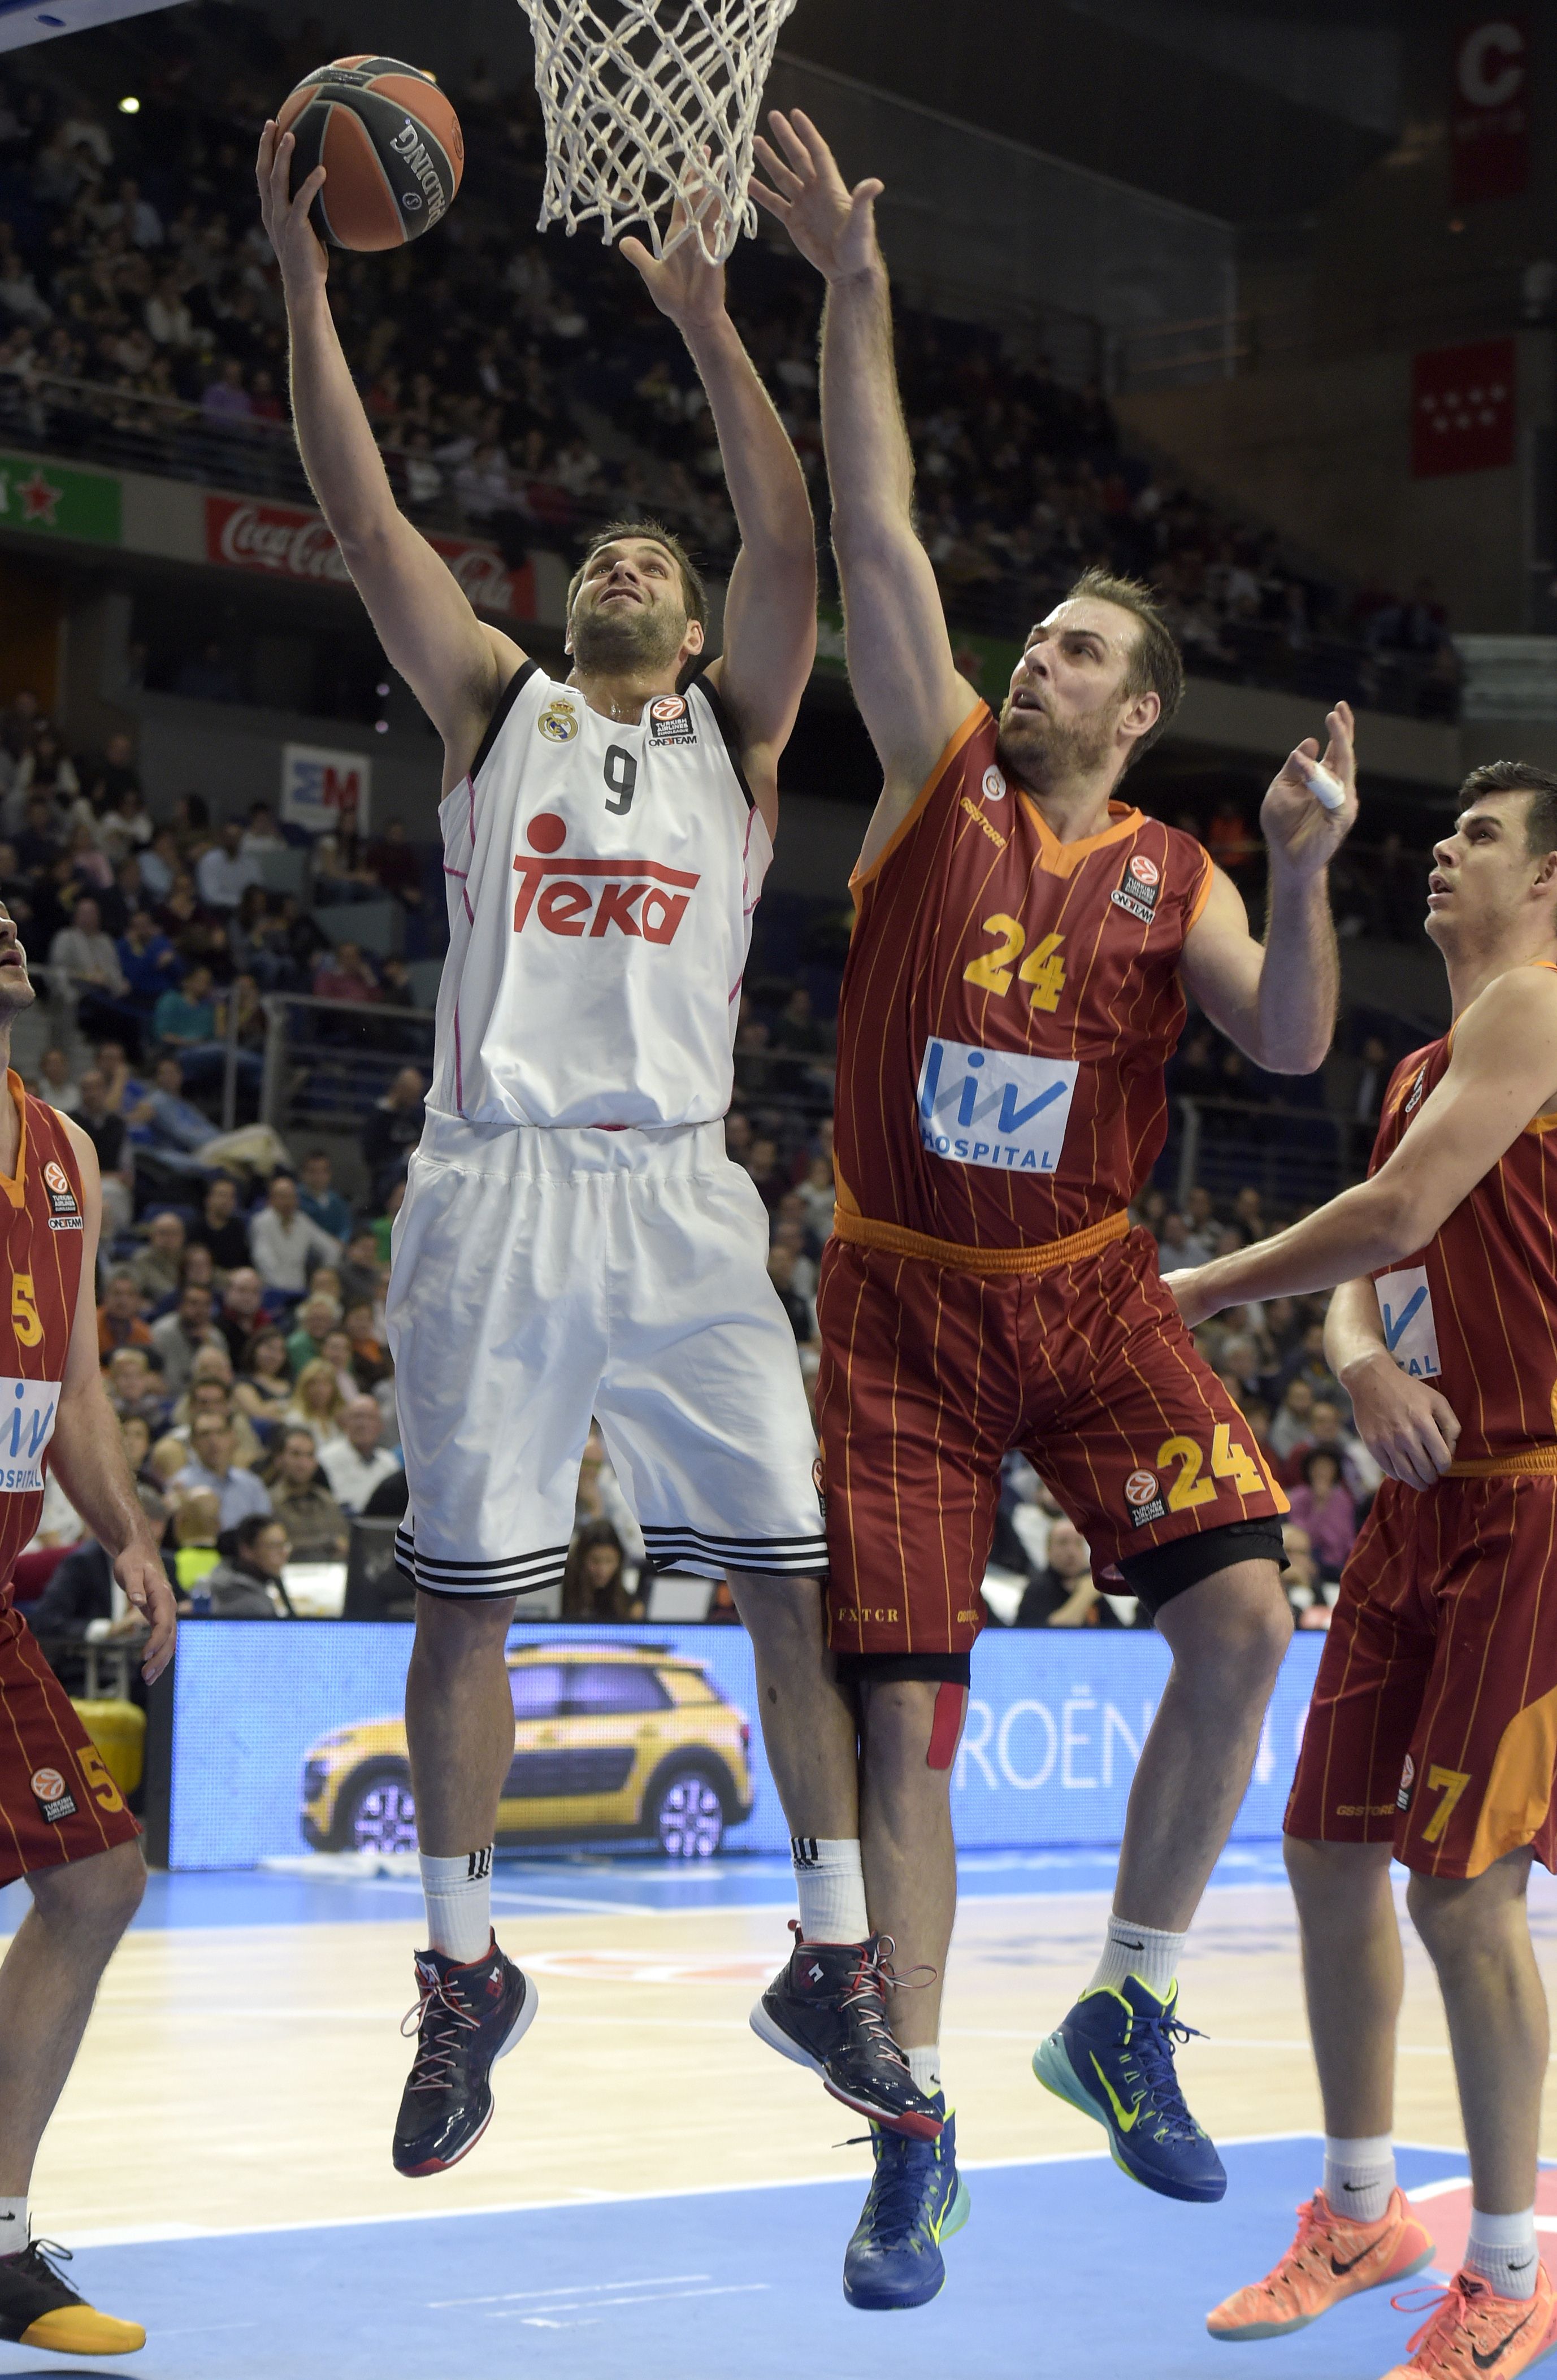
(389, 144)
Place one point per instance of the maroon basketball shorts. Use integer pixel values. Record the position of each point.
(931, 1373)
(57, 1799)
(1434, 1725)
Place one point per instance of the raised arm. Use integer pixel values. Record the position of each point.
(769, 608)
(1502, 1073)
(1277, 1000)
(899, 652)
(454, 665)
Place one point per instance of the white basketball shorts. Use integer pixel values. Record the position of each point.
(542, 1276)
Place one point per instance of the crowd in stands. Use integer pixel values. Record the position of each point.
(520, 386)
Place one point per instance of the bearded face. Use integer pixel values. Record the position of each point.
(1039, 751)
(622, 629)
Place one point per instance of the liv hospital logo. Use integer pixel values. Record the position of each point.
(27, 1421)
(993, 1107)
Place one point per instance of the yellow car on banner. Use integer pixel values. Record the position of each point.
(608, 1739)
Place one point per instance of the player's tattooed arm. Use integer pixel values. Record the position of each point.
(900, 658)
(86, 1453)
(1499, 1077)
(1277, 998)
(1410, 1430)
(770, 607)
(456, 666)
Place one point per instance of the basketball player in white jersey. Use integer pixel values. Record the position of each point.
(574, 1239)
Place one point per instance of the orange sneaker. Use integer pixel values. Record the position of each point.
(1471, 2331)
(1330, 2259)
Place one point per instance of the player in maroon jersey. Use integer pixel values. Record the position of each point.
(1432, 1734)
(1013, 992)
(63, 1826)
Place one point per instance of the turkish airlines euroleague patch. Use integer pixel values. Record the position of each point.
(670, 721)
(1139, 887)
(53, 1795)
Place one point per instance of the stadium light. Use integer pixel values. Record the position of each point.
(129, 107)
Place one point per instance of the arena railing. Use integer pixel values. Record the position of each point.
(1293, 1156)
(168, 438)
(326, 1062)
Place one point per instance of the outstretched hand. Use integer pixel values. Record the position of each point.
(685, 286)
(300, 250)
(1295, 822)
(832, 227)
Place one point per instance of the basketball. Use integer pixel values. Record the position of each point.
(390, 143)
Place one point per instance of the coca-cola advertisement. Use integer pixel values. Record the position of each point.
(246, 534)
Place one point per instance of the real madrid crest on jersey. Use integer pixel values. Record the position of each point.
(559, 721)
(1139, 887)
(65, 1214)
(670, 721)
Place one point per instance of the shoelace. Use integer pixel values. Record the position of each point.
(897, 2191)
(440, 2048)
(50, 2253)
(1445, 2310)
(869, 1986)
(1151, 2046)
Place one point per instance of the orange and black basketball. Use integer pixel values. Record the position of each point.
(390, 143)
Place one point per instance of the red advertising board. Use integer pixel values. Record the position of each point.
(1490, 108)
(247, 533)
(1463, 409)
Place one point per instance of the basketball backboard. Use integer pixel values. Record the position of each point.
(42, 20)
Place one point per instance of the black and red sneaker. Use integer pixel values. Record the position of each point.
(467, 2017)
(38, 2308)
(827, 2009)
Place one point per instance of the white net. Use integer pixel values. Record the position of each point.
(650, 108)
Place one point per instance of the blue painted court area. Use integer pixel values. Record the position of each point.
(1065, 2268)
(331, 1892)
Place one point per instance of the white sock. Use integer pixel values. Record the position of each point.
(924, 2065)
(13, 2226)
(1138, 1950)
(1359, 2178)
(458, 1895)
(1503, 2251)
(831, 1884)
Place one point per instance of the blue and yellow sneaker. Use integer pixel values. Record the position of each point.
(1112, 2057)
(917, 2199)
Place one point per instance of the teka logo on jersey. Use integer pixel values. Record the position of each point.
(593, 897)
(990, 1106)
(27, 1422)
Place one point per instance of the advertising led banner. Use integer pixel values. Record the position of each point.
(59, 503)
(250, 533)
(287, 1737)
(1489, 113)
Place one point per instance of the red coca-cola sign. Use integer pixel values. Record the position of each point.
(246, 534)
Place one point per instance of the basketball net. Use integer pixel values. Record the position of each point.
(650, 108)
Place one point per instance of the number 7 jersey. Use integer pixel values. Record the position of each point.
(601, 882)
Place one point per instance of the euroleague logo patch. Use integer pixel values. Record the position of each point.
(819, 1481)
(1408, 1778)
(1143, 1494)
(65, 1215)
(1139, 887)
(52, 1795)
(670, 721)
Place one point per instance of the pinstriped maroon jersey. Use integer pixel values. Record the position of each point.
(1009, 1006)
(40, 1218)
(1476, 1310)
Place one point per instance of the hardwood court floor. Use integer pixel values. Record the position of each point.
(248, 2073)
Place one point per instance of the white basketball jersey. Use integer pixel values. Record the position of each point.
(601, 880)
